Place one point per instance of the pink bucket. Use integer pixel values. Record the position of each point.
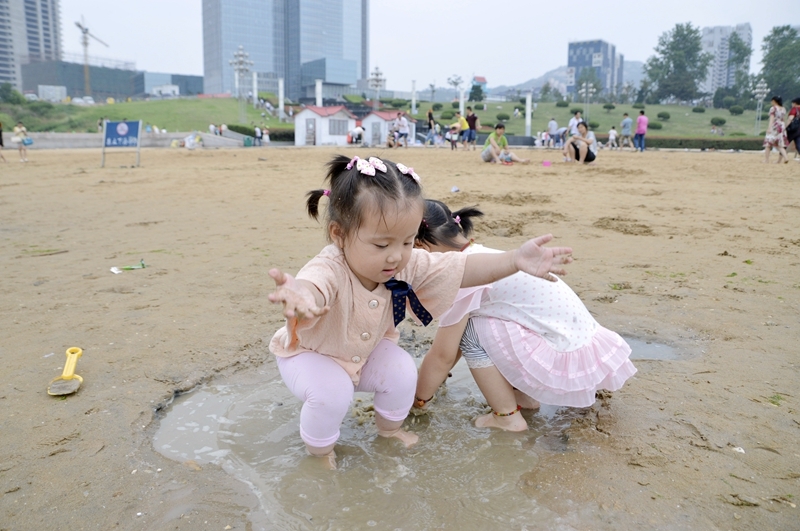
(545, 163)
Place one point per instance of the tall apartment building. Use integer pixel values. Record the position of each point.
(600, 55)
(715, 41)
(298, 40)
(30, 31)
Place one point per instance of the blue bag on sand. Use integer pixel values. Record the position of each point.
(27, 141)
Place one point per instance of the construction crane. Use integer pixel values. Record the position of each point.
(87, 85)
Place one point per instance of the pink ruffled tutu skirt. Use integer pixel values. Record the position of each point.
(531, 365)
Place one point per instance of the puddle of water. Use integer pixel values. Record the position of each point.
(456, 477)
(650, 350)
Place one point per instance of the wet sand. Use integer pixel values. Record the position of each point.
(697, 251)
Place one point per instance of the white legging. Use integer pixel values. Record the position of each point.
(327, 390)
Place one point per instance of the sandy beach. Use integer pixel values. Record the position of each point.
(696, 251)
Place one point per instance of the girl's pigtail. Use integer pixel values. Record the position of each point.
(336, 167)
(312, 203)
(465, 222)
(424, 231)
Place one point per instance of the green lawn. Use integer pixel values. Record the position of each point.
(172, 115)
(683, 122)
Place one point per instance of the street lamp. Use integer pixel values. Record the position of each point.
(376, 81)
(241, 65)
(587, 91)
(761, 91)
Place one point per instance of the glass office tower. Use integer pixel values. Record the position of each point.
(30, 31)
(288, 39)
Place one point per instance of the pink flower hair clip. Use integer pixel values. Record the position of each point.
(377, 164)
(402, 168)
(326, 193)
(457, 219)
(365, 167)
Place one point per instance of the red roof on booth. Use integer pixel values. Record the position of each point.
(329, 111)
(389, 115)
(479, 79)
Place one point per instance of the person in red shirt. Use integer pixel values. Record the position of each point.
(794, 114)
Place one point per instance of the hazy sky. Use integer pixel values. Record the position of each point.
(507, 41)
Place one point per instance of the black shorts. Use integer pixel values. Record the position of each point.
(590, 156)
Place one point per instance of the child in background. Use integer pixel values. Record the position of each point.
(524, 339)
(343, 308)
(452, 135)
(612, 138)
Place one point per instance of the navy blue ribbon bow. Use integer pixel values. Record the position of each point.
(400, 291)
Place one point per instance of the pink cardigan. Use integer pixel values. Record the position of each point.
(358, 318)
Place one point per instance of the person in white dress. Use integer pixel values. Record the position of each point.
(525, 340)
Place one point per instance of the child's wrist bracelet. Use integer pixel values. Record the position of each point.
(420, 402)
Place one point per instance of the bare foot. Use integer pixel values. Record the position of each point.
(511, 423)
(328, 460)
(524, 401)
(406, 437)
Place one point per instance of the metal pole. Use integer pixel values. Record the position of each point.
(413, 97)
(255, 90)
(138, 143)
(461, 102)
(103, 159)
(318, 92)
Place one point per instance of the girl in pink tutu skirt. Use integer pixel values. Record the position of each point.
(525, 340)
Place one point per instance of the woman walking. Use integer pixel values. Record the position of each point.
(776, 131)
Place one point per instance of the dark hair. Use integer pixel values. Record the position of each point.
(796, 101)
(352, 192)
(777, 99)
(584, 124)
(469, 108)
(439, 226)
(577, 113)
(499, 126)
(641, 112)
(624, 114)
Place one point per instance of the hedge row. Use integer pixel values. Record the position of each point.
(720, 144)
(278, 135)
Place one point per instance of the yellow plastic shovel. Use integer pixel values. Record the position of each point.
(68, 382)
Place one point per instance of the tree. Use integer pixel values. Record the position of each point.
(589, 75)
(432, 88)
(679, 64)
(739, 53)
(9, 95)
(476, 94)
(546, 92)
(455, 81)
(628, 93)
(781, 61)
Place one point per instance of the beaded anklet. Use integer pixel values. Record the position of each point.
(496, 414)
(420, 402)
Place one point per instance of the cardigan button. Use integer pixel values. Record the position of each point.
(356, 359)
(365, 336)
(373, 304)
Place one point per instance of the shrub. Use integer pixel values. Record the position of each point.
(575, 109)
(502, 117)
(750, 105)
(718, 121)
(663, 116)
(386, 101)
(244, 130)
(436, 106)
(736, 110)
(562, 103)
(523, 100)
(593, 125)
(455, 104)
(714, 142)
(447, 115)
(609, 107)
(765, 116)
(654, 125)
(480, 106)
(42, 108)
(728, 102)
(519, 108)
(282, 135)
(699, 109)
(638, 105)
(400, 103)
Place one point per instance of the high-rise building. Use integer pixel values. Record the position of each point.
(602, 57)
(30, 31)
(298, 40)
(715, 41)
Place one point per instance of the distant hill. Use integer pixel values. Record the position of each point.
(558, 79)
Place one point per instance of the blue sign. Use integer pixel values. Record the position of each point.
(122, 134)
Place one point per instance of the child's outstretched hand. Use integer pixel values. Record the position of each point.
(298, 301)
(540, 261)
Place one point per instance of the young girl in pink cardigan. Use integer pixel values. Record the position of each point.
(343, 307)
